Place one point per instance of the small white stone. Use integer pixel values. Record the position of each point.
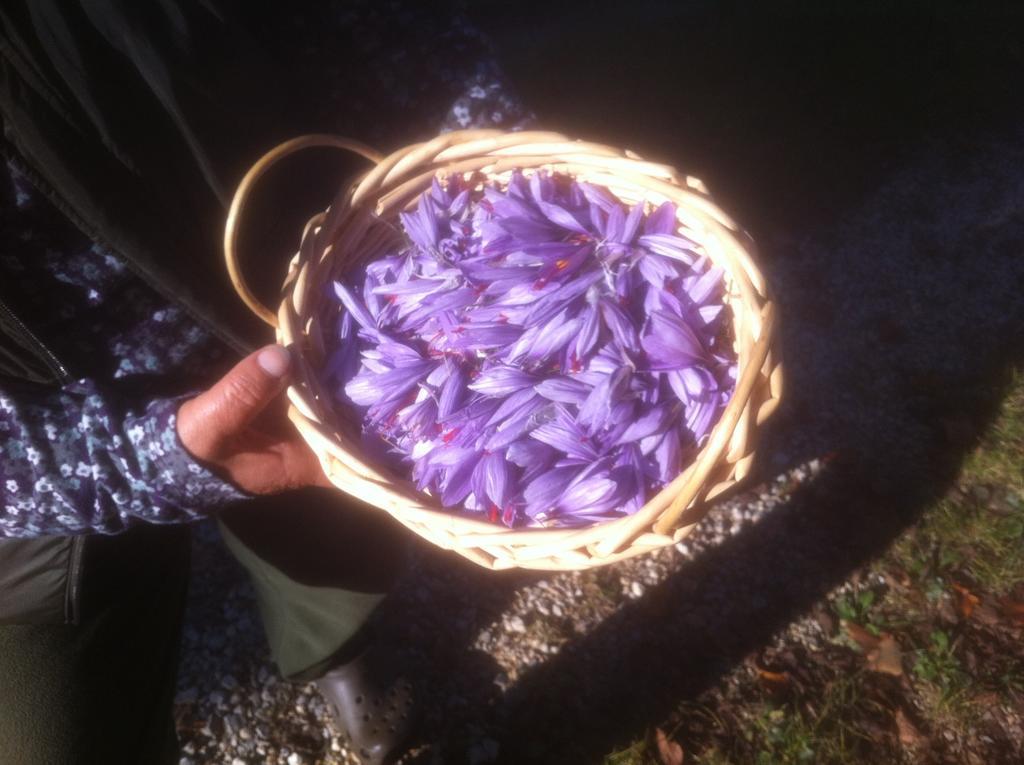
(515, 624)
(294, 759)
(636, 589)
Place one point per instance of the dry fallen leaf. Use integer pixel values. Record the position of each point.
(882, 652)
(985, 700)
(861, 636)
(774, 682)
(669, 751)
(887, 657)
(908, 732)
(966, 601)
(1014, 611)
(772, 677)
(987, 615)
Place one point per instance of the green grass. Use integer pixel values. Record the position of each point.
(772, 733)
(635, 754)
(979, 531)
(936, 664)
(973, 538)
(821, 733)
(859, 608)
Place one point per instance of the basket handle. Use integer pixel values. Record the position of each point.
(264, 163)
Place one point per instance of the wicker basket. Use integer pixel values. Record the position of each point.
(359, 226)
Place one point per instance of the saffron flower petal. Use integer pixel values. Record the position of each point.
(670, 343)
(663, 220)
(538, 354)
(565, 390)
(502, 380)
(670, 246)
(355, 307)
(655, 421)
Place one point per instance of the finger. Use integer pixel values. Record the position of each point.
(320, 478)
(312, 471)
(236, 399)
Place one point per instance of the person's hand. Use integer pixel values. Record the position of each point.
(239, 430)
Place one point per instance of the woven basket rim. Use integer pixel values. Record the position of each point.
(396, 180)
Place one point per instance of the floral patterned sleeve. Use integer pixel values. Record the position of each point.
(74, 460)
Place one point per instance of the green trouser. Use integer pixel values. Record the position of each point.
(101, 690)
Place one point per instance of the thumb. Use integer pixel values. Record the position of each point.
(234, 400)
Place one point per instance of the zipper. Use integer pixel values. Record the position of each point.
(72, 595)
(47, 356)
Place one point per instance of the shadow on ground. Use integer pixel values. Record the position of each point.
(879, 159)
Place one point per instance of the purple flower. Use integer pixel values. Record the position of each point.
(662, 221)
(701, 288)
(565, 390)
(620, 324)
(355, 307)
(539, 354)
(555, 335)
(524, 419)
(561, 217)
(530, 455)
(652, 422)
(671, 343)
(596, 494)
(501, 380)
(670, 246)
(422, 226)
(668, 454)
(367, 389)
(543, 492)
(597, 408)
(566, 436)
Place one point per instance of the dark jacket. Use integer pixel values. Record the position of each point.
(131, 118)
(137, 120)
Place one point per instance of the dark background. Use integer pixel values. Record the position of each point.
(790, 111)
